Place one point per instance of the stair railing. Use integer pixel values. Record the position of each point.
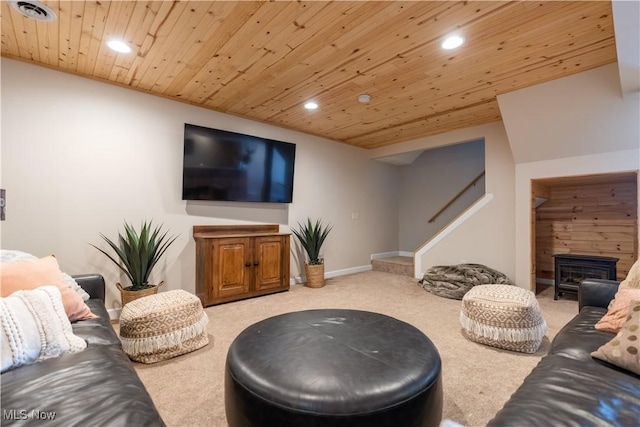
(457, 196)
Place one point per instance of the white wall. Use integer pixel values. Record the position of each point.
(617, 161)
(626, 15)
(488, 237)
(430, 182)
(577, 125)
(578, 115)
(80, 156)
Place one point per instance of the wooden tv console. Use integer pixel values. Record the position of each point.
(234, 262)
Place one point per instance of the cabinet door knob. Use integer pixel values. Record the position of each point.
(256, 263)
(247, 264)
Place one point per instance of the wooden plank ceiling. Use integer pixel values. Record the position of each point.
(263, 60)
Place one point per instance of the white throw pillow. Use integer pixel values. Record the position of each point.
(35, 327)
(11, 256)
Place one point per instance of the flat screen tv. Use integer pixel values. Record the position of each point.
(227, 166)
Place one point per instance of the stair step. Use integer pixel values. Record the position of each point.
(401, 265)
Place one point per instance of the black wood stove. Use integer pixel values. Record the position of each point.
(570, 269)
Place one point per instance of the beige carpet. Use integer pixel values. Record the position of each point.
(189, 390)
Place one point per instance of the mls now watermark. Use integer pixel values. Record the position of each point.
(26, 414)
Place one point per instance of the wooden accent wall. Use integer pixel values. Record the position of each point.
(589, 219)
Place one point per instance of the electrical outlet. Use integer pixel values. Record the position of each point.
(3, 203)
(355, 215)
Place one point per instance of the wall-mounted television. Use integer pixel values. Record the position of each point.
(227, 166)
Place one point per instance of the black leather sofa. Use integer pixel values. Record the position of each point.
(94, 387)
(569, 387)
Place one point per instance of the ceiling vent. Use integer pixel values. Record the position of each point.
(34, 10)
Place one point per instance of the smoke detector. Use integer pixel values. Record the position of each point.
(364, 98)
(35, 10)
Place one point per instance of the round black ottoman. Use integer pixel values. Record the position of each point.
(333, 368)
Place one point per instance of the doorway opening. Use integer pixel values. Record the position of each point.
(583, 215)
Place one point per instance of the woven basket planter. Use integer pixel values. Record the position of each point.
(315, 275)
(163, 326)
(128, 296)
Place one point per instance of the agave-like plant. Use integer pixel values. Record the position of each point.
(138, 252)
(312, 236)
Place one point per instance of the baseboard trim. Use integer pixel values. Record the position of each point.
(385, 255)
(347, 271)
(392, 254)
(114, 313)
(299, 280)
(549, 282)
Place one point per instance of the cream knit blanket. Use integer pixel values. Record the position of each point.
(35, 327)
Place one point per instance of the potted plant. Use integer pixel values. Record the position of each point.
(312, 236)
(136, 253)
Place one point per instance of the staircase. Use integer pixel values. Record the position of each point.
(401, 265)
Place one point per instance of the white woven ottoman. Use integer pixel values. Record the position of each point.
(162, 326)
(503, 316)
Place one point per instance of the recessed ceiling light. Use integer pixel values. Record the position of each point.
(119, 46)
(310, 105)
(452, 42)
